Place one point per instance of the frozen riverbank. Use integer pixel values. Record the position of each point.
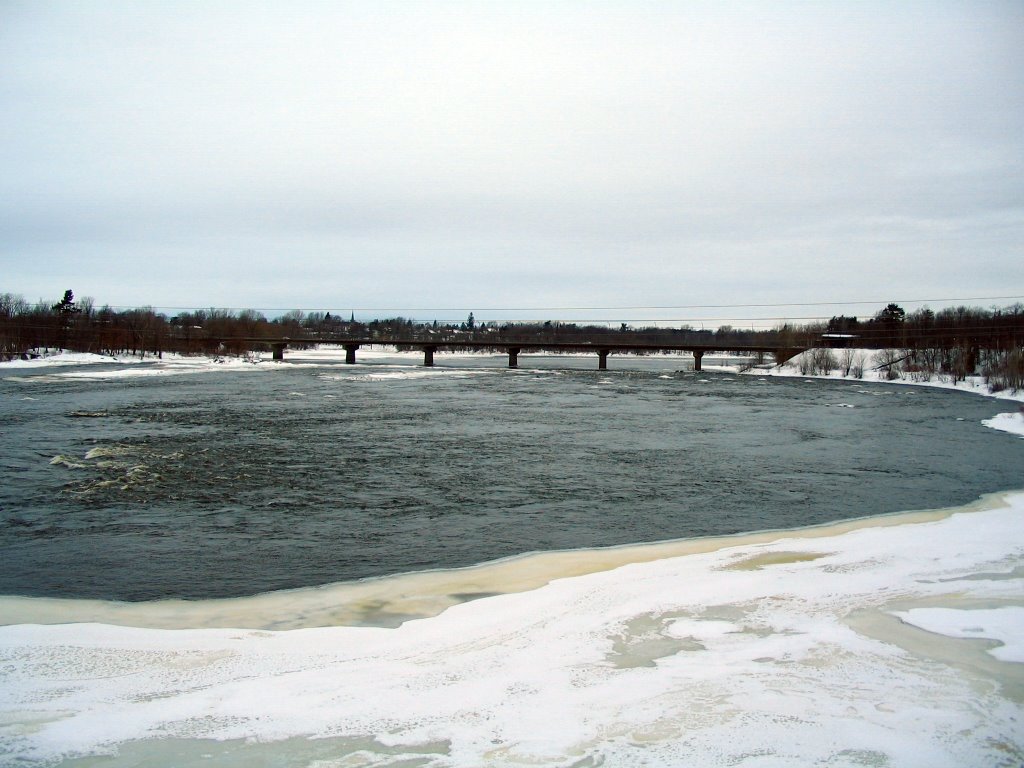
(868, 369)
(887, 644)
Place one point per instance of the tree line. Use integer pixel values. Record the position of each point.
(959, 337)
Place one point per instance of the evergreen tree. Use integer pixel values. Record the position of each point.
(65, 309)
(893, 314)
(66, 306)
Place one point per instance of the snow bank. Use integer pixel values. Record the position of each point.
(1007, 422)
(866, 358)
(129, 366)
(63, 357)
(788, 652)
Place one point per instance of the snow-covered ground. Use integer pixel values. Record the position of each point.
(893, 641)
(1007, 422)
(792, 368)
(63, 357)
(87, 365)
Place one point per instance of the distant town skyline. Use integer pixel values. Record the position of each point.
(620, 161)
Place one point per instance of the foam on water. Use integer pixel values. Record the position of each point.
(849, 645)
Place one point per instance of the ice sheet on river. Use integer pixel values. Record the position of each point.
(863, 644)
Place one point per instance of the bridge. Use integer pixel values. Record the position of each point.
(513, 348)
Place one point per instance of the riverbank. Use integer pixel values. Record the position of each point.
(865, 366)
(1012, 422)
(849, 646)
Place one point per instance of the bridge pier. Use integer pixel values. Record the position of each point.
(602, 359)
(428, 356)
(278, 349)
(697, 357)
(350, 353)
(513, 357)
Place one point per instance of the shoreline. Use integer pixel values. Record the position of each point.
(177, 363)
(800, 651)
(972, 384)
(391, 600)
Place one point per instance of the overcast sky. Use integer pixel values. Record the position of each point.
(426, 156)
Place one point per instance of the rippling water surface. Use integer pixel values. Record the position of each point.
(236, 482)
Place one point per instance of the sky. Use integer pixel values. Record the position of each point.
(618, 161)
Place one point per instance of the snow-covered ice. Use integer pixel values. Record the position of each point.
(1003, 625)
(1007, 422)
(786, 650)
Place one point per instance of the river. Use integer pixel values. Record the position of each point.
(314, 564)
(153, 481)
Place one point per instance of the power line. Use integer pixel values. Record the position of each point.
(873, 302)
(682, 306)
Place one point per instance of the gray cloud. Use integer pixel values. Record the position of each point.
(538, 154)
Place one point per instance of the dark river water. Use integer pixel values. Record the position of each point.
(235, 482)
